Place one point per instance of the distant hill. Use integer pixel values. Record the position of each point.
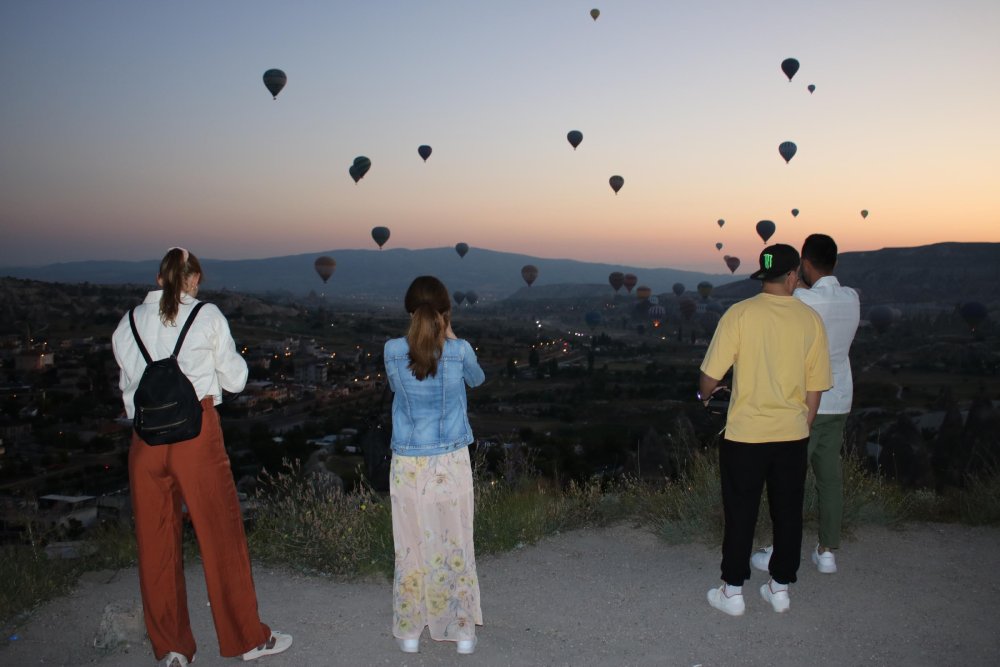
(375, 274)
(942, 273)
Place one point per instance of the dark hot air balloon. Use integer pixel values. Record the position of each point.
(324, 267)
(616, 183)
(812, 88)
(718, 246)
(973, 312)
(461, 249)
(574, 138)
(594, 13)
(359, 168)
(471, 298)
(380, 235)
(678, 289)
(733, 263)
(459, 297)
(643, 292)
(864, 213)
(529, 272)
(787, 149)
(795, 212)
(657, 314)
(274, 80)
(789, 66)
(616, 279)
(765, 229)
(687, 308)
(424, 152)
(629, 282)
(705, 289)
(721, 222)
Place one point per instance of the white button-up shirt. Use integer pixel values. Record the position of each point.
(840, 309)
(208, 357)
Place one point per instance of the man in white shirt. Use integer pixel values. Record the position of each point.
(840, 309)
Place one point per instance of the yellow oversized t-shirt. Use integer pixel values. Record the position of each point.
(778, 349)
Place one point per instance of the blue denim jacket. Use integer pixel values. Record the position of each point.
(429, 416)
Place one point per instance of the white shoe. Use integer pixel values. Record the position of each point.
(762, 559)
(731, 604)
(466, 646)
(409, 645)
(276, 643)
(825, 562)
(778, 599)
(174, 659)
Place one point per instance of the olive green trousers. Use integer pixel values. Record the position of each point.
(826, 438)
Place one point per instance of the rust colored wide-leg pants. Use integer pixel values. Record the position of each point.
(194, 472)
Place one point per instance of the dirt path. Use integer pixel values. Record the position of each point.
(927, 595)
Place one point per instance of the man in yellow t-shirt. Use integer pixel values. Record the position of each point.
(777, 348)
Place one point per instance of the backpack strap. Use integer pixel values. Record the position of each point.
(180, 339)
(184, 329)
(135, 333)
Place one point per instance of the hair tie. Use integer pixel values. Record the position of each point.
(184, 253)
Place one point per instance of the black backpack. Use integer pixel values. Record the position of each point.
(167, 409)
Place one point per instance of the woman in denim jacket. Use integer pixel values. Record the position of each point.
(430, 482)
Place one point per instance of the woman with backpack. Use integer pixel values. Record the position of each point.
(430, 482)
(192, 471)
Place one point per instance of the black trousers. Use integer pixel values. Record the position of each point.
(744, 470)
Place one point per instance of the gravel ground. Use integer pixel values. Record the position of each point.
(615, 596)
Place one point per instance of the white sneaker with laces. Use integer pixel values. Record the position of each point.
(276, 643)
(778, 598)
(730, 604)
(408, 645)
(174, 659)
(761, 559)
(825, 562)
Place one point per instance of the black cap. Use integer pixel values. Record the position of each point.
(777, 260)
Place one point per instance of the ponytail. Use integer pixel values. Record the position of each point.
(175, 268)
(429, 306)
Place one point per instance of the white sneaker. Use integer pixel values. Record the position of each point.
(276, 643)
(174, 659)
(762, 559)
(825, 562)
(466, 646)
(778, 599)
(731, 604)
(409, 645)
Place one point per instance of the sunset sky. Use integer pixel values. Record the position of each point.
(130, 126)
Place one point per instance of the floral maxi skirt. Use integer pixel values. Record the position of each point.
(435, 582)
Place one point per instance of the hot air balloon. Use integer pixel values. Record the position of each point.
(594, 13)
(471, 298)
(864, 213)
(705, 289)
(592, 318)
(721, 222)
(687, 308)
(616, 183)
(275, 80)
(616, 279)
(643, 292)
(656, 313)
(973, 312)
(380, 235)
(789, 66)
(459, 297)
(629, 282)
(574, 138)
(765, 229)
(653, 299)
(718, 246)
(424, 152)
(812, 88)
(461, 249)
(733, 263)
(359, 168)
(795, 212)
(529, 272)
(881, 317)
(678, 289)
(787, 150)
(324, 267)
